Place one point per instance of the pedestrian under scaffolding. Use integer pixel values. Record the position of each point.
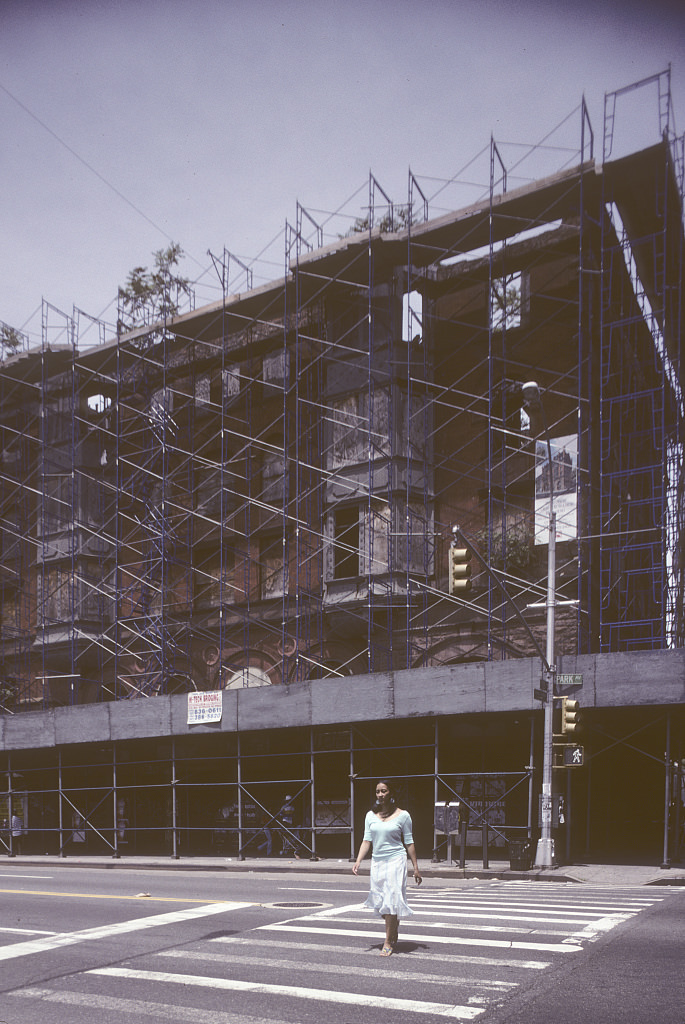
(18, 833)
(265, 836)
(286, 816)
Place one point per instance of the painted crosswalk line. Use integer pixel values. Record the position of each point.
(136, 1009)
(274, 963)
(61, 939)
(451, 940)
(433, 956)
(378, 1002)
(463, 953)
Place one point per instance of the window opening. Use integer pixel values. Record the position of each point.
(506, 302)
(346, 562)
(99, 403)
(412, 316)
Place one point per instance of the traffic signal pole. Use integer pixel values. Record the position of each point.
(459, 580)
(544, 854)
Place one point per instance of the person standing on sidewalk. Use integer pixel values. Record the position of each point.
(18, 833)
(388, 833)
(287, 819)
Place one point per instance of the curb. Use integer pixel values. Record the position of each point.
(601, 874)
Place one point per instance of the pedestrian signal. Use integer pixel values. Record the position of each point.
(570, 717)
(459, 570)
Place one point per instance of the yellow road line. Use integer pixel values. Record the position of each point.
(106, 896)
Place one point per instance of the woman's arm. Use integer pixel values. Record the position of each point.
(363, 850)
(411, 853)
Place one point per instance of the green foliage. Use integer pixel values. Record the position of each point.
(8, 692)
(153, 295)
(398, 221)
(517, 544)
(11, 341)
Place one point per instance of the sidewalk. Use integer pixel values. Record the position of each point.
(590, 874)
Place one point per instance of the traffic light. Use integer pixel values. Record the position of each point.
(459, 569)
(570, 717)
(574, 756)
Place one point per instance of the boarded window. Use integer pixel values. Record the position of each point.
(273, 574)
(230, 381)
(54, 596)
(273, 477)
(376, 540)
(275, 369)
(203, 387)
(358, 427)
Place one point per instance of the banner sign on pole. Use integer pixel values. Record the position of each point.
(562, 477)
(205, 707)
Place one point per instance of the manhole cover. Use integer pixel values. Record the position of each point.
(298, 905)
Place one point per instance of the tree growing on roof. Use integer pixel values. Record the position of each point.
(11, 340)
(397, 221)
(153, 295)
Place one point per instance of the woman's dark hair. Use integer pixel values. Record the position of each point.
(392, 788)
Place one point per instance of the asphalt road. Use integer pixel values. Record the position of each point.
(120, 946)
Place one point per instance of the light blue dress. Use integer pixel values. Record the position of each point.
(388, 883)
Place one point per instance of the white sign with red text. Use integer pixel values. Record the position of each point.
(205, 707)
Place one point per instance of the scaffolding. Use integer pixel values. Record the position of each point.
(302, 792)
(262, 490)
(469, 783)
(19, 455)
(640, 398)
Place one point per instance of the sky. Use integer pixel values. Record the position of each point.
(128, 125)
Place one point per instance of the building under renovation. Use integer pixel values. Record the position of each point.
(228, 534)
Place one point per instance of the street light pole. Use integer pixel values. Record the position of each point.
(544, 856)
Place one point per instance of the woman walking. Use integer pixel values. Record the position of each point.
(388, 833)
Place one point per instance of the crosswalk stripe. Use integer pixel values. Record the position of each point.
(26, 931)
(509, 928)
(516, 916)
(459, 958)
(505, 911)
(292, 991)
(365, 972)
(592, 931)
(457, 940)
(516, 906)
(547, 897)
(62, 939)
(141, 1008)
(434, 938)
(551, 893)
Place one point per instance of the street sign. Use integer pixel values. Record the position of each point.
(569, 679)
(574, 756)
(541, 695)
